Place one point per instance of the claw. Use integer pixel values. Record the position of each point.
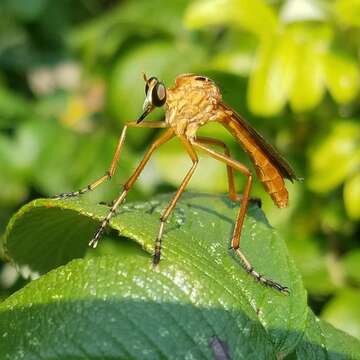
(282, 289)
(94, 241)
(58, 197)
(156, 259)
(64, 196)
(108, 204)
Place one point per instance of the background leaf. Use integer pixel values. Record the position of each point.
(343, 312)
(352, 265)
(342, 77)
(352, 196)
(348, 12)
(255, 16)
(340, 149)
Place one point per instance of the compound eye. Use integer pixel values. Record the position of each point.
(153, 78)
(158, 95)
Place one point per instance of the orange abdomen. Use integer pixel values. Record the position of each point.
(266, 171)
(270, 177)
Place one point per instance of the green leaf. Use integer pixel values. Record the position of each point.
(313, 344)
(351, 263)
(338, 149)
(289, 66)
(117, 306)
(309, 86)
(347, 12)
(104, 35)
(342, 77)
(352, 196)
(12, 105)
(60, 231)
(106, 308)
(28, 10)
(237, 61)
(16, 157)
(322, 341)
(339, 345)
(255, 16)
(273, 75)
(313, 262)
(343, 311)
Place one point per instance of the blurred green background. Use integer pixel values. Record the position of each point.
(71, 76)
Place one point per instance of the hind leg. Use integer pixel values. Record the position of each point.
(235, 241)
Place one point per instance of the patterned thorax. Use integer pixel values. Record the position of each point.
(191, 103)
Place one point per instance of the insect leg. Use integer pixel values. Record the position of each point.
(127, 186)
(111, 171)
(170, 207)
(235, 241)
(231, 180)
(230, 171)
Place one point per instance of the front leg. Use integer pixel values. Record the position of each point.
(165, 137)
(111, 171)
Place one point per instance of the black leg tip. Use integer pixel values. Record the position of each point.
(65, 196)
(105, 203)
(285, 290)
(94, 241)
(57, 197)
(156, 259)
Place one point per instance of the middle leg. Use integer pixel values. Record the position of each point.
(230, 171)
(170, 207)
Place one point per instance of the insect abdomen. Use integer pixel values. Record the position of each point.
(271, 178)
(267, 172)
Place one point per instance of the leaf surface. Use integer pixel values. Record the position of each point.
(117, 305)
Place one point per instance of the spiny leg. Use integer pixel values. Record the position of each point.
(235, 241)
(259, 277)
(161, 140)
(111, 171)
(170, 207)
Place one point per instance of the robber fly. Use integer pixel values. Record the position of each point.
(191, 103)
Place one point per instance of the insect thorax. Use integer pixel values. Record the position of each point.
(191, 103)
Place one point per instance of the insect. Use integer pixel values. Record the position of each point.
(191, 103)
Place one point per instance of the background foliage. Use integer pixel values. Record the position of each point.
(70, 77)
